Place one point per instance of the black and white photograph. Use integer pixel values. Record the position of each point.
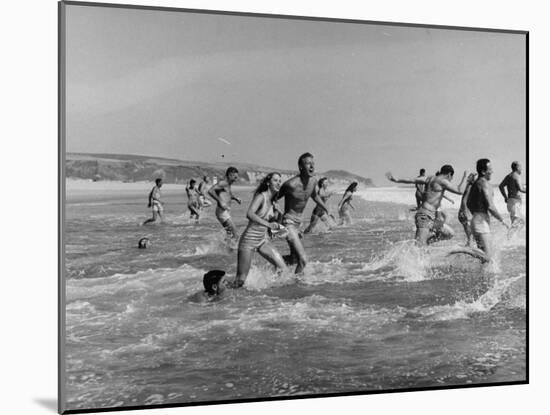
(261, 206)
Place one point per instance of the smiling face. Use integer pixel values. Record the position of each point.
(307, 166)
(275, 183)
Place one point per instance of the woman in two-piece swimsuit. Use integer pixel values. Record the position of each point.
(255, 237)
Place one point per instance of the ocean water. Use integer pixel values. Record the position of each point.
(371, 311)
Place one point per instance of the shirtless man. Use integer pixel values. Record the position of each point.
(221, 193)
(510, 189)
(297, 192)
(480, 203)
(154, 202)
(193, 203)
(419, 189)
(435, 187)
(464, 215)
(203, 188)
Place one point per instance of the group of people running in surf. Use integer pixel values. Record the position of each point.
(267, 220)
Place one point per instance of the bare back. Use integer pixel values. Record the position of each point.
(511, 182)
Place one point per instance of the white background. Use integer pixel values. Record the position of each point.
(29, 206)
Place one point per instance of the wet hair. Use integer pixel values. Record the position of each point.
(231, 170)
(264, 183)
(515, 165)
(322, 180)
(211, 278)
(303, 157)
(158, 180)
(352, 187)
(481, 165)
(447, 169)
(422, 171)
(143, 242)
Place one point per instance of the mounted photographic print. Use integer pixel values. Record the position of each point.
(258, 207)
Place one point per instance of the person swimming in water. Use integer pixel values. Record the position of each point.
(345, 205)
(434, 192)
(154, 203)
(318, 213)
(215, 284)
(510, 188)
(222, 194)
(296, 192)
(193, 203)
(255, 237)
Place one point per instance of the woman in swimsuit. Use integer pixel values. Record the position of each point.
(345, 205)
(255, 238)
(318, 212)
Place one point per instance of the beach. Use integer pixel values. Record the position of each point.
(372, 311)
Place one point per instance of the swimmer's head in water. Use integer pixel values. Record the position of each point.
(232, 174)
(143, 243)
(306, 165)
(516, 166)
(484, 168)
(213, 282)
(158, 182)
(447, 170)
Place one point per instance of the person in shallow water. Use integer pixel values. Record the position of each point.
(154, 203)
(296, 192)
(480, 203)
(222, 194)
(435, 187)
(254, 238)
(345, 205)
(318, 213)
(214, 283)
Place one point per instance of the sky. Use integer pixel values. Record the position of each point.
(361, 97)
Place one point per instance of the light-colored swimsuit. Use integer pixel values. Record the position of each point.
(255, 235)
(223, 215)
(514, 207)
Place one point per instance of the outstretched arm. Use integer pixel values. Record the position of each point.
(456, 190)
(418, 180)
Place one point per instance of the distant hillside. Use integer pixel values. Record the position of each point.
(135, 168)
(346, 177)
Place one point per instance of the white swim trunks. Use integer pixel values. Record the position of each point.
(480, 223)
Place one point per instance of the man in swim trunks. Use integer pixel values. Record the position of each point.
(297, 191)
(221, 193)
(154, 202)
(480, 203)
(193, 203)
(510, 189)
(203, 188)
(435, 187)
